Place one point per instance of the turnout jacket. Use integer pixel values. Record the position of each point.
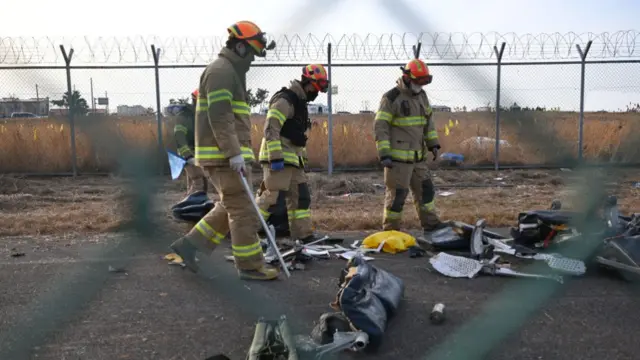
(403, 125)
(223, 128)
(183, 131)
(285, 127)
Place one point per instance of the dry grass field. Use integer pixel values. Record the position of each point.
(343, 202)
(43, 145)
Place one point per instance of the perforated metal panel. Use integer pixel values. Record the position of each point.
(455, 266)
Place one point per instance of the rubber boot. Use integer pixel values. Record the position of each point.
(187, 252)
(429, 230)
(266, 272)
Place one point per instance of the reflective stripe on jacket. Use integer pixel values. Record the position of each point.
(183, 131)
(223, 127)
(273, 146)
(403, 125)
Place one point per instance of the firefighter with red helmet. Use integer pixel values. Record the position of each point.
(404, 134)
(283, 153)
(183, 133)
(223, 148)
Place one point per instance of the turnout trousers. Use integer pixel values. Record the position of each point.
(398, 181)
(233, 213)
(196, 179)
(290, 183)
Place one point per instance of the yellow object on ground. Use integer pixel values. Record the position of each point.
(173, 258)
(394, 241)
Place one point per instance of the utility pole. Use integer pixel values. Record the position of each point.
(93, 101)
(37, 101)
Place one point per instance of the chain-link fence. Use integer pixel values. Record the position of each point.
(115, 108)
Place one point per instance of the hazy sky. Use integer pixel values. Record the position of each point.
(608, 86)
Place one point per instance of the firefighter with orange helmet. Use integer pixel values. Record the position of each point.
(283, 151)
(223, 148)
(183, 133)
(404, 134)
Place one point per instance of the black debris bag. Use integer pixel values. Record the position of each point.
(368, 298)
(193, 207)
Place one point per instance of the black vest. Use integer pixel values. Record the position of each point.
(295, 127)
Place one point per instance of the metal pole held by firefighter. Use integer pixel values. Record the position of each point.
(270, 236)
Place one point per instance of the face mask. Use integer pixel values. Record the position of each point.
(312, 95)
(247, 57)
(416, 88)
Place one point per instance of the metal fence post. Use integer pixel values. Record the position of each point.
(499, 54)
(583, 64)
(156, 60)
(330, 113)
(72, 126)
(416, 49)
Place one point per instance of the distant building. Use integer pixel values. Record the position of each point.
(38, 107)
(135, 110)
(314, 109)
(441, 108)
(317, 109)
(58, 112)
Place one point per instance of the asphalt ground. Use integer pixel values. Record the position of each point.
(147, 309)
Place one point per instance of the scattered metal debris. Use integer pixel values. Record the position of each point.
(437, 314)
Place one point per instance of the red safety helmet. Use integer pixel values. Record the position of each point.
(317, 74)
(195, 93)
(251, 33)
(417, 72)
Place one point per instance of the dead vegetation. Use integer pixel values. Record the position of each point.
(43, 145)
(92, 205)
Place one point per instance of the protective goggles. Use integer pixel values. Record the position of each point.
(262, 39)
(321, 85)
(423, 80)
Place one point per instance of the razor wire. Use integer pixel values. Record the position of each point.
(438, 46)
(536, 134)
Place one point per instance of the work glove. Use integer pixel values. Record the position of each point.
(277, 165)
(386, 162)
(237, 163)
(191, 160)
(434, 151)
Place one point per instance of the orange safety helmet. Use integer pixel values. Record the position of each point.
(251, 33)
(417, 72)
(317, 74)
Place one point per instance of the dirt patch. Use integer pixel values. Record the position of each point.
(342, 202)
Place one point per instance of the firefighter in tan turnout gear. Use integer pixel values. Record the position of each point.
(223, 149)
(183, 133)
(404, 134)
(283, 152)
